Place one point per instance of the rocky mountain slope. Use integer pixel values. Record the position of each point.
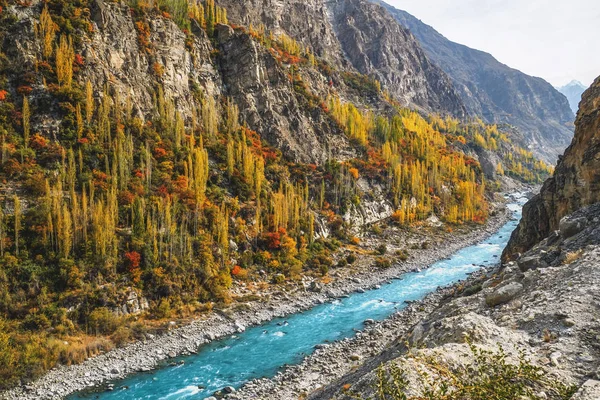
(360, 36)
(575, 184)
(573, 91)
(496, 92)
(542, 310)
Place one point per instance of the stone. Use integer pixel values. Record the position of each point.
(569, 226)
(315, 287)
(503, 294)
(590, 390)
(228, 389)
(529, 263)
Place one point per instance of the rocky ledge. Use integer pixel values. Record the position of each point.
(155, 351)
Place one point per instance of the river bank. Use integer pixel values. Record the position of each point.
(153, 352)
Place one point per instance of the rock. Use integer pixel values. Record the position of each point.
(315, 287)
(529, 263)
(114, 371)
(434, 221)
(503, 294)
(354, 357)
(369, 321)
(228, 389)
(554, 357)
(573, 187)
(239, 327)
(569, 226)
(590, 390)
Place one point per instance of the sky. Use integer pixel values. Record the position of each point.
(558, 40)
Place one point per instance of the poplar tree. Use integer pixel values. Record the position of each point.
(65, 55)
(46, 31)
(17, 226)
(26, 116)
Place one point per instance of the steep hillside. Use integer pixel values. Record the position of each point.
(497, 92)
(573, 92)
(575, 184)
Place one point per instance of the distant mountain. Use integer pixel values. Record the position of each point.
(573, 92)
(496, 92)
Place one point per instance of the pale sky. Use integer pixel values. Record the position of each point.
(558, 40)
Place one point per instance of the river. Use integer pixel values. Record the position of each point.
(262, 350)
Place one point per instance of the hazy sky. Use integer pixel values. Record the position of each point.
(558, 40)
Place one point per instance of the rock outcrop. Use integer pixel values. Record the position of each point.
(575, 184)
(496, 92)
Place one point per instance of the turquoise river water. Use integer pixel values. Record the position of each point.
(262, 350)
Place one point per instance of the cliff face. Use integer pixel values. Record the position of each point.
(576, 181)
(496, 92)
(357, 35)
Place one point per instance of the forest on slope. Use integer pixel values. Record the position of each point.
(131, 170)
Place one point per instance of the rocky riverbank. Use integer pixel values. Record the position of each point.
(153, 352)
(545, 306)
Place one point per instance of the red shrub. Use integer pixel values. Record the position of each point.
(133, 259)
(3, 93)
(126, 198)
(236, 270)
(79, 60)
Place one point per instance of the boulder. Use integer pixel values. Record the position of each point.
(228, 389)
(315, 287)
(529, 263)
(569, 226)
(590, 390)
(503, 294)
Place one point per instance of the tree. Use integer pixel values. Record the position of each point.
(17, 226)
(65, 55)
(46, 31)
(89, 102)
(26, 116)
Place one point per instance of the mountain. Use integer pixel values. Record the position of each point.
(360, 36)
(573, 91)
(496, 92)
(575, 184)
(160, 157)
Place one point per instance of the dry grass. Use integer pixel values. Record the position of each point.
(571, 257)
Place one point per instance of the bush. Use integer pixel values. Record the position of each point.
(342, 263)
(163, 309)
(351, 259)
(102, 321)
(121, 336)
(402, 255)
(382, 262)
(381, 249)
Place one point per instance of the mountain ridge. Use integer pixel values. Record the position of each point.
(497, 92)
(573, 91)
